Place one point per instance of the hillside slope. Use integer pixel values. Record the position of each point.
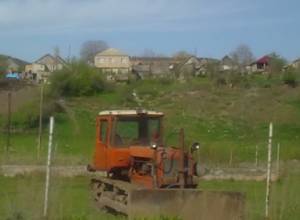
(223, 119)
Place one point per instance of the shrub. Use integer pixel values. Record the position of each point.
(28, 115)
(290, 78)
(219, 80)
(77, 79)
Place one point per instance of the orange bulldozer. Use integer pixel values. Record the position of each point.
(145, 179)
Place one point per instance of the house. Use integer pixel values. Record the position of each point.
(182, 67)
(296, 64)
(207, 65)
(10, 64)
(190, 66)
(41, 69)
(260, 65)
(141, 71)
(144, 67)
(227, 63)
(114, 63)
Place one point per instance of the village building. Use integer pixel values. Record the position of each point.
(181, 68)
(114, 63)
(191, 66)
(11, 64)
(296, 64)
(260, 65)
(227, 64)
(207, 65)
(40, 70)
(144, 67)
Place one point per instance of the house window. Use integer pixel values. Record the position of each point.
(101, 60)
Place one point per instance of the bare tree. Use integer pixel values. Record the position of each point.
(242, 55)
(90, 48)
(56, 51)
(148, 53)
(182, 54)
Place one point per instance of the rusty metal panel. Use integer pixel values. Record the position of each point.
(186, 204)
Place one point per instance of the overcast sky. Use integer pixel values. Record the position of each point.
(212, 28)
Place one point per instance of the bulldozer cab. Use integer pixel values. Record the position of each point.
(136, 130)
(117, 131)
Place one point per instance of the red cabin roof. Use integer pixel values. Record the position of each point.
(263, 60)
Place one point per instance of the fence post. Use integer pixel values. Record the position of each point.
(231, 157)
(48, 166)
(256, 156)
(278, 158)
(269, 171)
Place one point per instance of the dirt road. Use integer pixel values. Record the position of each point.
(242, 174)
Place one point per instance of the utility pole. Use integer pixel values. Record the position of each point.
(40, 122)
(269, 170)
(8, 121)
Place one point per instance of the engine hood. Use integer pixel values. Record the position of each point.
(142, 151)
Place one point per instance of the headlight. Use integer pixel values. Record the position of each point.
(153, 146)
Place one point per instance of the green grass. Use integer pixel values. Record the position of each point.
(23, 196)
(284, 204)
(69, 198)
(223, 119)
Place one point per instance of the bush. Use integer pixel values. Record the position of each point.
(232, 79)
(28, 115)
(77, 79)
(219, 80)
(290, 78)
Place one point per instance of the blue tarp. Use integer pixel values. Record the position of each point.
(12, 76)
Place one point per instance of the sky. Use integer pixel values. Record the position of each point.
(207, 28)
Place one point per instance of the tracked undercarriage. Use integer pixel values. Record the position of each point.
(111, 194)
(124, 198)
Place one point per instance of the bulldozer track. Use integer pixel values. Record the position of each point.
(111, 194)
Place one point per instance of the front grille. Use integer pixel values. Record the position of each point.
(170, 167)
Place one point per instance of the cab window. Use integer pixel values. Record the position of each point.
(103, 131)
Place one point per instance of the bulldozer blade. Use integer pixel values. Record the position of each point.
(186, 204)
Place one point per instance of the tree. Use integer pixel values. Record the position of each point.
(277, 63)
(148, 53)
(182, 54)
(242, 55)
(56, 51)
(3, 64)
(90, 48)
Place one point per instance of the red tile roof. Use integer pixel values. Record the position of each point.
(263, 60)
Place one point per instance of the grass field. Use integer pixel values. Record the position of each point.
(70, 197)
(223, 119)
